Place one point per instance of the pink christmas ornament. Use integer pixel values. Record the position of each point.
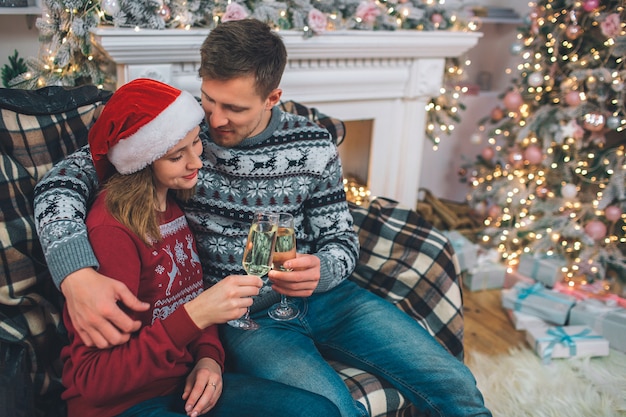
(533, 154)
(513, 100)
(497, 114)
(436, 18)
(595, 229)
(488, 153)
(165, 12)
(494, 211)
(572, 98)
(516, 158)
(573, 32)
(480, 208)
(594, 121)
(591, 5)
(612, 213)
(542, 192)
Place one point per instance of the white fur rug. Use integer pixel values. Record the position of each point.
(519, 385)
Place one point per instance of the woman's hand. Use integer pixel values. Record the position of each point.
(224, 301)
(203, 387)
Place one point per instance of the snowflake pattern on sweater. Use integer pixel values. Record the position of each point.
(292, 166)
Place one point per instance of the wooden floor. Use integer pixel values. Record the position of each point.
(487, 326)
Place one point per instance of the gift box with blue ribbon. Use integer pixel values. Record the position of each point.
(605, 319)
(543, 268)
(566, 342)
(488, 273)
(523, 321)
(537, 300)
(466, 251)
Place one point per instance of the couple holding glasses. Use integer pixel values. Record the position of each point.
(271, 244)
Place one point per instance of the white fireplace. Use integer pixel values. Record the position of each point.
(385, 77)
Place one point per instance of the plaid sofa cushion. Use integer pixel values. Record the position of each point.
(37, 128)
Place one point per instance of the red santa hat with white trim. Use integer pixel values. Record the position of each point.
(140, 123)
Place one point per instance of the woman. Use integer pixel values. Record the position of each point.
(146, 151)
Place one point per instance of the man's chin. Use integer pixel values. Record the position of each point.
(224, 139)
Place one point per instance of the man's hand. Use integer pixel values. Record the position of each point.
(203, 387)
(91, 300)
(301, 281)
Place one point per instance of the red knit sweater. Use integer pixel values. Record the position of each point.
(157, 359)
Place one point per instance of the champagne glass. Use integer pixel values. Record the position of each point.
(284, 250)
(257, 257)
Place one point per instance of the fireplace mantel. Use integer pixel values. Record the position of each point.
(387, 77)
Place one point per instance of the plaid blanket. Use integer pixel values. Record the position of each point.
(37, 128)
(406, 261)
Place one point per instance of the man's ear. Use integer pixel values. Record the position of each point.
(273, 98)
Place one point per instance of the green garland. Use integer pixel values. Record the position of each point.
(69, 58)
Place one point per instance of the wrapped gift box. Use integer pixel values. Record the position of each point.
(545, 269)
(536, 300)
(594, 290)
(513, 277)
(523, 321)
(485, 276)
(566, 342)
(607, 320)
(466, 251)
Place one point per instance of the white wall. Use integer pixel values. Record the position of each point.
(492, 54)
(15, 35)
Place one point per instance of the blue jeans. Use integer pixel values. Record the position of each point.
(360, 329)
(244, 396)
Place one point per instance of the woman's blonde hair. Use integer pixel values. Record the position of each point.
(131, 200)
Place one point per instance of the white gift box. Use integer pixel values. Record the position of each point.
(485, 276)
(523, 321)
(566, 342)
(545, 269)
(536, 300)
(607, 320)
(465, 250)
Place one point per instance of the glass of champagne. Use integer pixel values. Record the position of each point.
(284, 250)
(257, 256)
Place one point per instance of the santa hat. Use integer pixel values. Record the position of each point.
(140, 123)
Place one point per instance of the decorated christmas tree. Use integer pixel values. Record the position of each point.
(550, 180)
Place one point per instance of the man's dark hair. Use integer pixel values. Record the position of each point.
(244, 47)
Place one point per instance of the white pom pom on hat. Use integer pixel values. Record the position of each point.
(140, 123)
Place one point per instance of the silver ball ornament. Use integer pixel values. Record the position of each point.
(535, 79)
(613, 122)
(110, 7)
(516, 48)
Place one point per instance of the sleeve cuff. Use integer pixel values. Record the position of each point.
(72, 255)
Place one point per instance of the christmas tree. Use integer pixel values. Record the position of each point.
(551, 178)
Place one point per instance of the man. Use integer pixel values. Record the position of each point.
(258, 157)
